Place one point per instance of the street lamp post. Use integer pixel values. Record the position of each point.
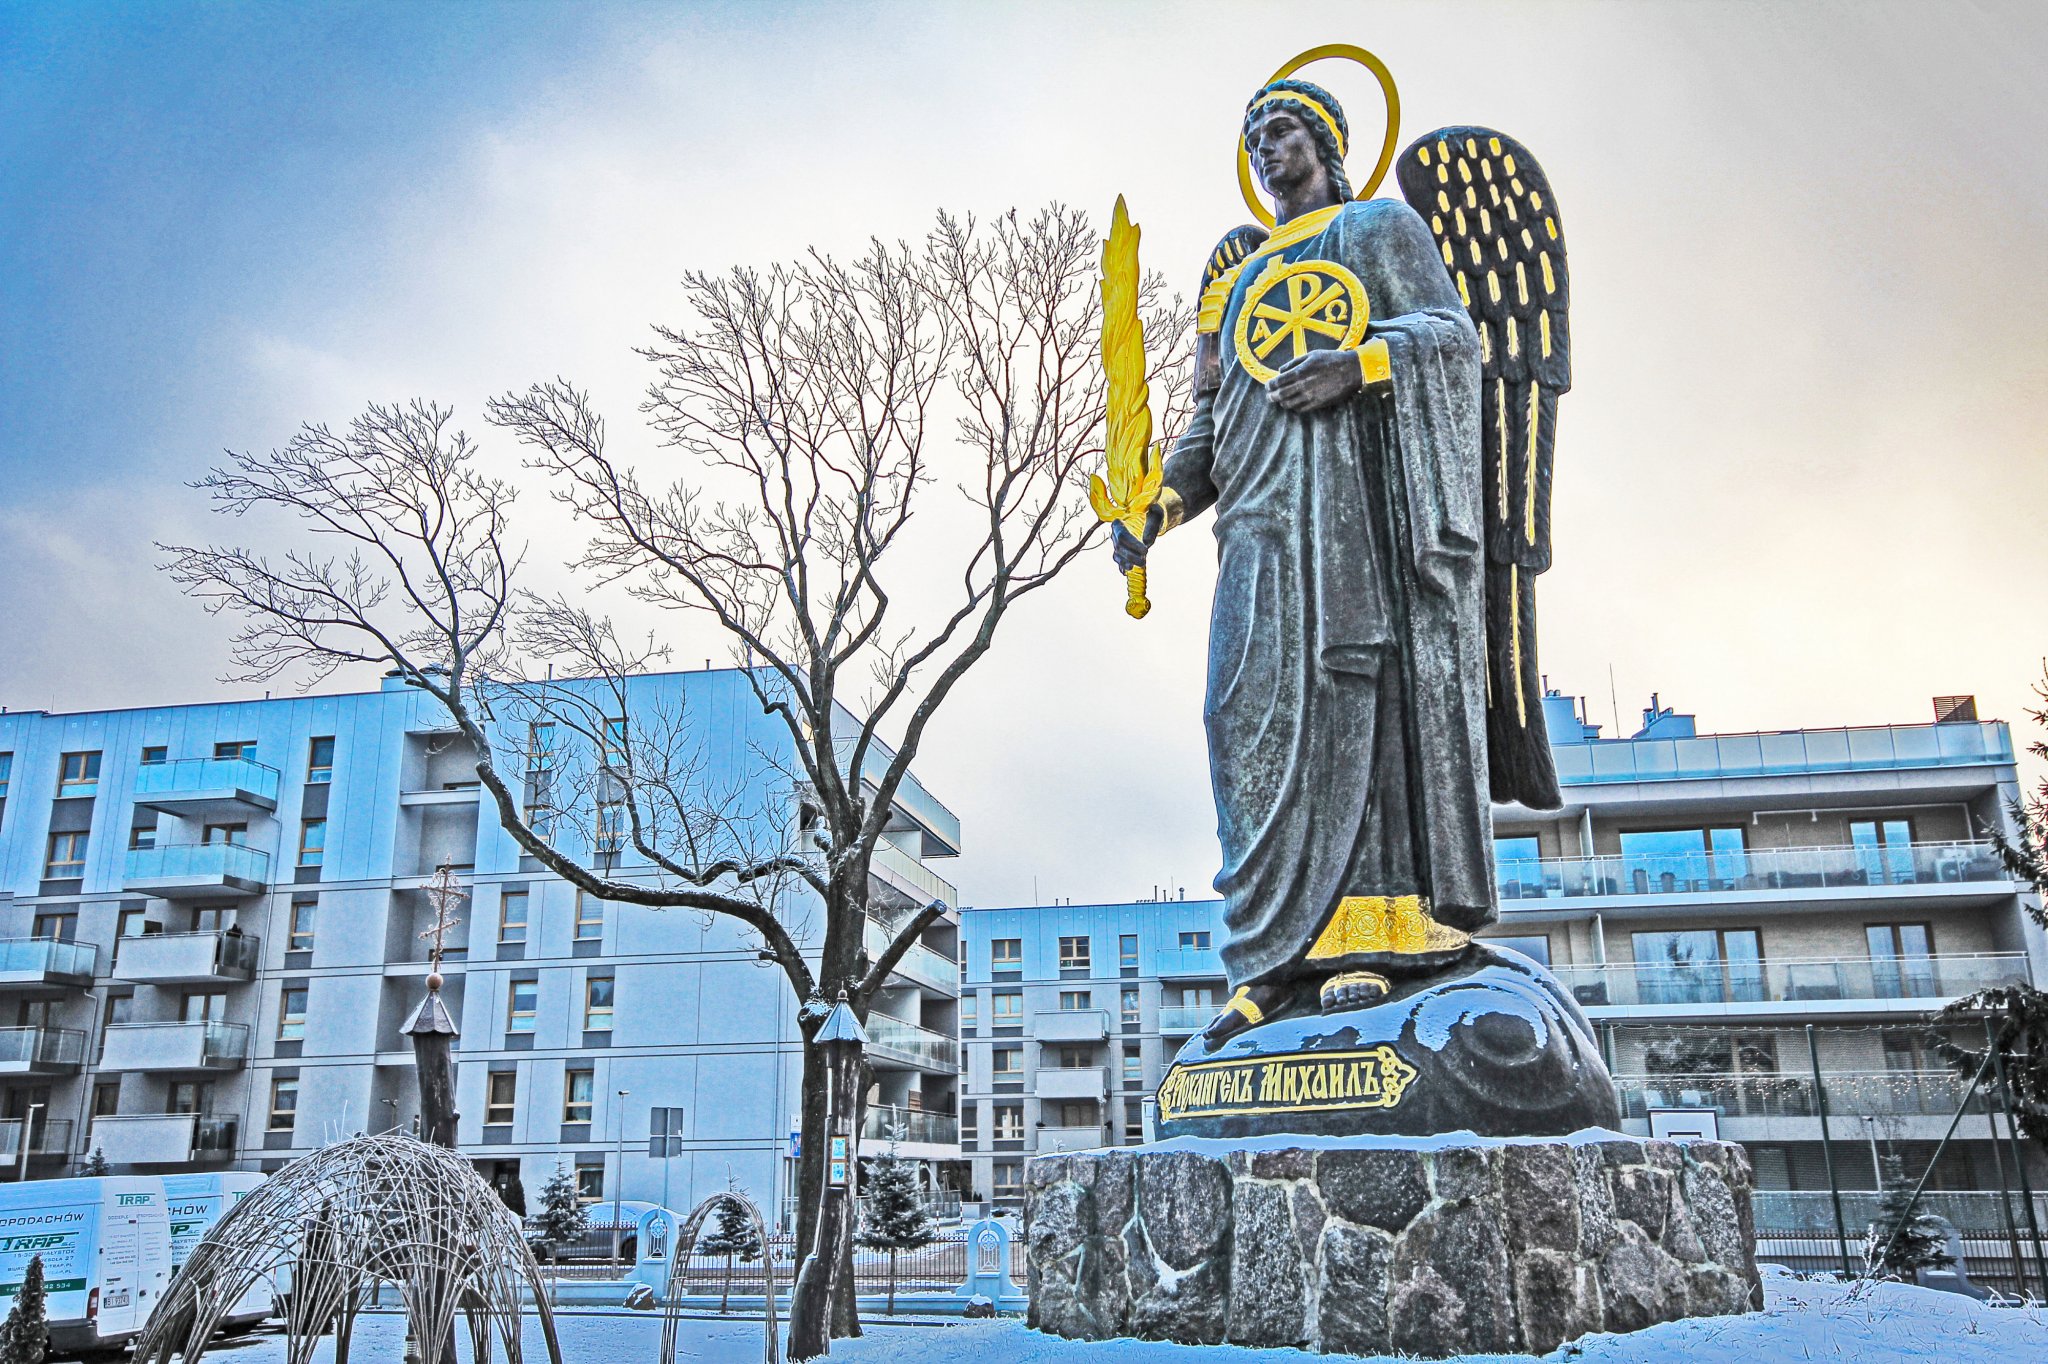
(28, 1132)
(619, 1185)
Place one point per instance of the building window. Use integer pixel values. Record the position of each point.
(1127, 952)
(970, 1120)
(1134, 1067)
(969, 1007)
(312, 842)
(320, 761)
(1664, 861)
(519, 1006)
(1535, 946)
(589, 917)
(501, 1097)
(512, 916)
(1884, 851)
(540, 746)
(1077, 1113)
(1901, 960)
(224, 833)
(597, 1004)
(1074, 954)
(1006, 1179)
(612, 747)
(142, 836)
(60, 927)
(1007, 1063)
(78, 774)
(1134, 1122)
(190, 1096)
(1006, 954)
(6, 774)
(67, 857)
(1128, 1007)
(611, 828)
(578, 1085)
(590, 1183)
(299, 938)
(131, 923)
(1708, 966)
(1006, 1009)
(106, 1098)
(284, 1105)
(155, 755)
(1009, 1122)
(1070, 1000)
(236, 748)
(1197, 940)
(291, 1014)
(1076, 1057)
(203, 1006)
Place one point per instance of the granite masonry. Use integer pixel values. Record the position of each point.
(1377, 1246)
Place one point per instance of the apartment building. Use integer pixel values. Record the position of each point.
(216, 923)
(1705, 897)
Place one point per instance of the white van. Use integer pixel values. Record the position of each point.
(196, 1202)
(106, 1248)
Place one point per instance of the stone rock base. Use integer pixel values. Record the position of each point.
(1384, 1245)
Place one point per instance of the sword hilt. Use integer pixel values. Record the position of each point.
(1135, 605)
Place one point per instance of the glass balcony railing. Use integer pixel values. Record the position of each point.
(896, 1039)
(1185, 1017)
(883, 1123)
(919, 963)
(197, 862)
(34, 1049)
(52, 1137)
(201, 777)
(1791, 981)
(1876, 748)
(213, 1134)
(1851, 1094)
(911, 876)
(1179, 962)
(41, 959)
(1759, 869)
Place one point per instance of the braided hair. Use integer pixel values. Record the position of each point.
(1326, 141)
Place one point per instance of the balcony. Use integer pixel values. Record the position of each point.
(193, 871)
(1071, 1082)
(883, 1123)
(197, 785)
(1877, 748)
(205, 1045)
(1784, 870)
(52, 1137)
(1070, 1025)
(1851, 1094)
(894, 1040)
(1189, 963)
(1185, 1018)
(162, 1138)
(46, 961)
(1908, 984)
(911, 878)
(1056, 1139)
(187, 958)
(919, 964)
(41, 1051)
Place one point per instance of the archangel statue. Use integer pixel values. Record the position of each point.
(1377, 388)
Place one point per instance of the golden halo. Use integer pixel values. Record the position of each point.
(1349, 52)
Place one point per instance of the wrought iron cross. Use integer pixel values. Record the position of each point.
(445, 895)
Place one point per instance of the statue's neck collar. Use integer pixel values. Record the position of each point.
(1300, 229)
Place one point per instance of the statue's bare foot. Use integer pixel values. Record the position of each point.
(1247, 1007)
(1353, 990)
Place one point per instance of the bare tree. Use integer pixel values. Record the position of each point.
(858, 563)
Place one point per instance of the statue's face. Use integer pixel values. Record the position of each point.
(1283, 152)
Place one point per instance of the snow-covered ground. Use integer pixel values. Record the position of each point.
(1800, 1321)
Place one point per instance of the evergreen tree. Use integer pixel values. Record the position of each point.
(25, 1335)
(1902, 1238)
(514, 1194)
(893, 1216)
(96, 1164)
(732, 1235)
(562, 1218)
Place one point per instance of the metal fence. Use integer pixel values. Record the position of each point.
(938, 1267)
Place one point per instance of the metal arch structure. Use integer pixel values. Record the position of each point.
(331, 1228)
(680, 1248)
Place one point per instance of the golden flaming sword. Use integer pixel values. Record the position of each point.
(1134, 464)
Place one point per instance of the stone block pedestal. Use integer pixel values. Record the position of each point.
(1431, 1247)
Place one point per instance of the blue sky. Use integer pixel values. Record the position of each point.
(1798, 472)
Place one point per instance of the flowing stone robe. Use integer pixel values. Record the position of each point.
(1346, 709)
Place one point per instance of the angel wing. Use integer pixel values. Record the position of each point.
(1489, 206)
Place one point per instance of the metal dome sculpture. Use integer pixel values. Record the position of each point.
(328, 1230)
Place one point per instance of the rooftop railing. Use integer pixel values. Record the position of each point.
(195, 776)
(1758, 869)
(1792, 980)
(1876, 748)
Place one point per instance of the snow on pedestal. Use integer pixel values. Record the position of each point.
(1431, 1247)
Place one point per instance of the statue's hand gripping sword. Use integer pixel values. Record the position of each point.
(1130, 483)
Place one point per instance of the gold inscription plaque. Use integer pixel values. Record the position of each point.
(1303, 1082)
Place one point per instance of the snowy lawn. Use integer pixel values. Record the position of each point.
(1800, 1321)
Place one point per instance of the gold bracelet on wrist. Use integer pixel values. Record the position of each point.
(1373, 362)
(1172, 510)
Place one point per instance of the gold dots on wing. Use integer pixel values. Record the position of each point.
(1443, 201)
(1549, 279)
(1422, 155)
(1500, 246)
(1443, 175)
(1443, 150)
(1464, 290)
(1458, 218)
(1493, 145)
(1436, 225)
(1448, 258)
(1471, 146)
(1550, 226)
(1543, 329)
(1464, 170)
(1535, 201)
(1507, 164)
(1485, 222)
(1494, 191)
(1485, 342)
(1493, 292)
(1514, 212)
(1515, 185)
(1486, 171)
(1522, 283)
(1471, 197)
(1528, 240)
(1478, 257)
(1514, 338)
